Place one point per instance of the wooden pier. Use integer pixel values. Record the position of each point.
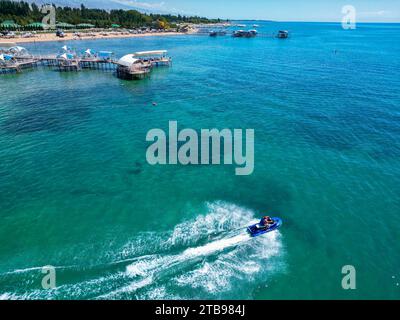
(17, 66)
(62, 64)
(136, 73)
(98, 64)
(133, 66)
(68, 65)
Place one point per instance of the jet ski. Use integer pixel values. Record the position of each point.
(258, 229)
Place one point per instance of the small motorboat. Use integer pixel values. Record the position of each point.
(258, 229)
(217, 33)
(252, 33)
(283, 34)
(244, 34)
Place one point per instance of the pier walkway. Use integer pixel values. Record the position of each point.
(147, 62)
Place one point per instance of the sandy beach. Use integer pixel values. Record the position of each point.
(45, 37)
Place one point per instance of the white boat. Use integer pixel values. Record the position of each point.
(155, 57)
(245, 34)
(283, 34)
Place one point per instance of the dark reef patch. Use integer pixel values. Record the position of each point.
(331, 137)
(54, 111)
(352, 126)
(135, 171)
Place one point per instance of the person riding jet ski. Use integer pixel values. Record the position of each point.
(266, 222)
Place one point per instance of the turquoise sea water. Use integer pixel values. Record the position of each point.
(77, 193)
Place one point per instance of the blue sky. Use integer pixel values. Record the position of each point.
(284, 10)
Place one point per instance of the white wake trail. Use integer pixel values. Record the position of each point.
(216, 246)
(210, 256)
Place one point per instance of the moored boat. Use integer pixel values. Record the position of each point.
(156, 58)
(283, 34)
(217, 33)
(252, 33)
(245, 34)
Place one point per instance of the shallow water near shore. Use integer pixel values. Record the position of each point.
(77, 193)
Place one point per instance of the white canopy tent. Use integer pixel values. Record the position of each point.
(128, 60)
(150, 53)
(18, 50)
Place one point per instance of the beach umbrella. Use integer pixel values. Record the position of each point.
(85, 25)
(64, 25)
(2, 57)
(65, 48)
(37, 25)
(66, 56)
(18, 49)
(9, 24)
(89, 51)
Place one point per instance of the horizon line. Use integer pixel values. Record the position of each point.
(306, 21)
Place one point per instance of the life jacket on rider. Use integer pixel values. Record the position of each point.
(266, 222)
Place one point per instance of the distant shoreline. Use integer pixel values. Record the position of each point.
(47, 37)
